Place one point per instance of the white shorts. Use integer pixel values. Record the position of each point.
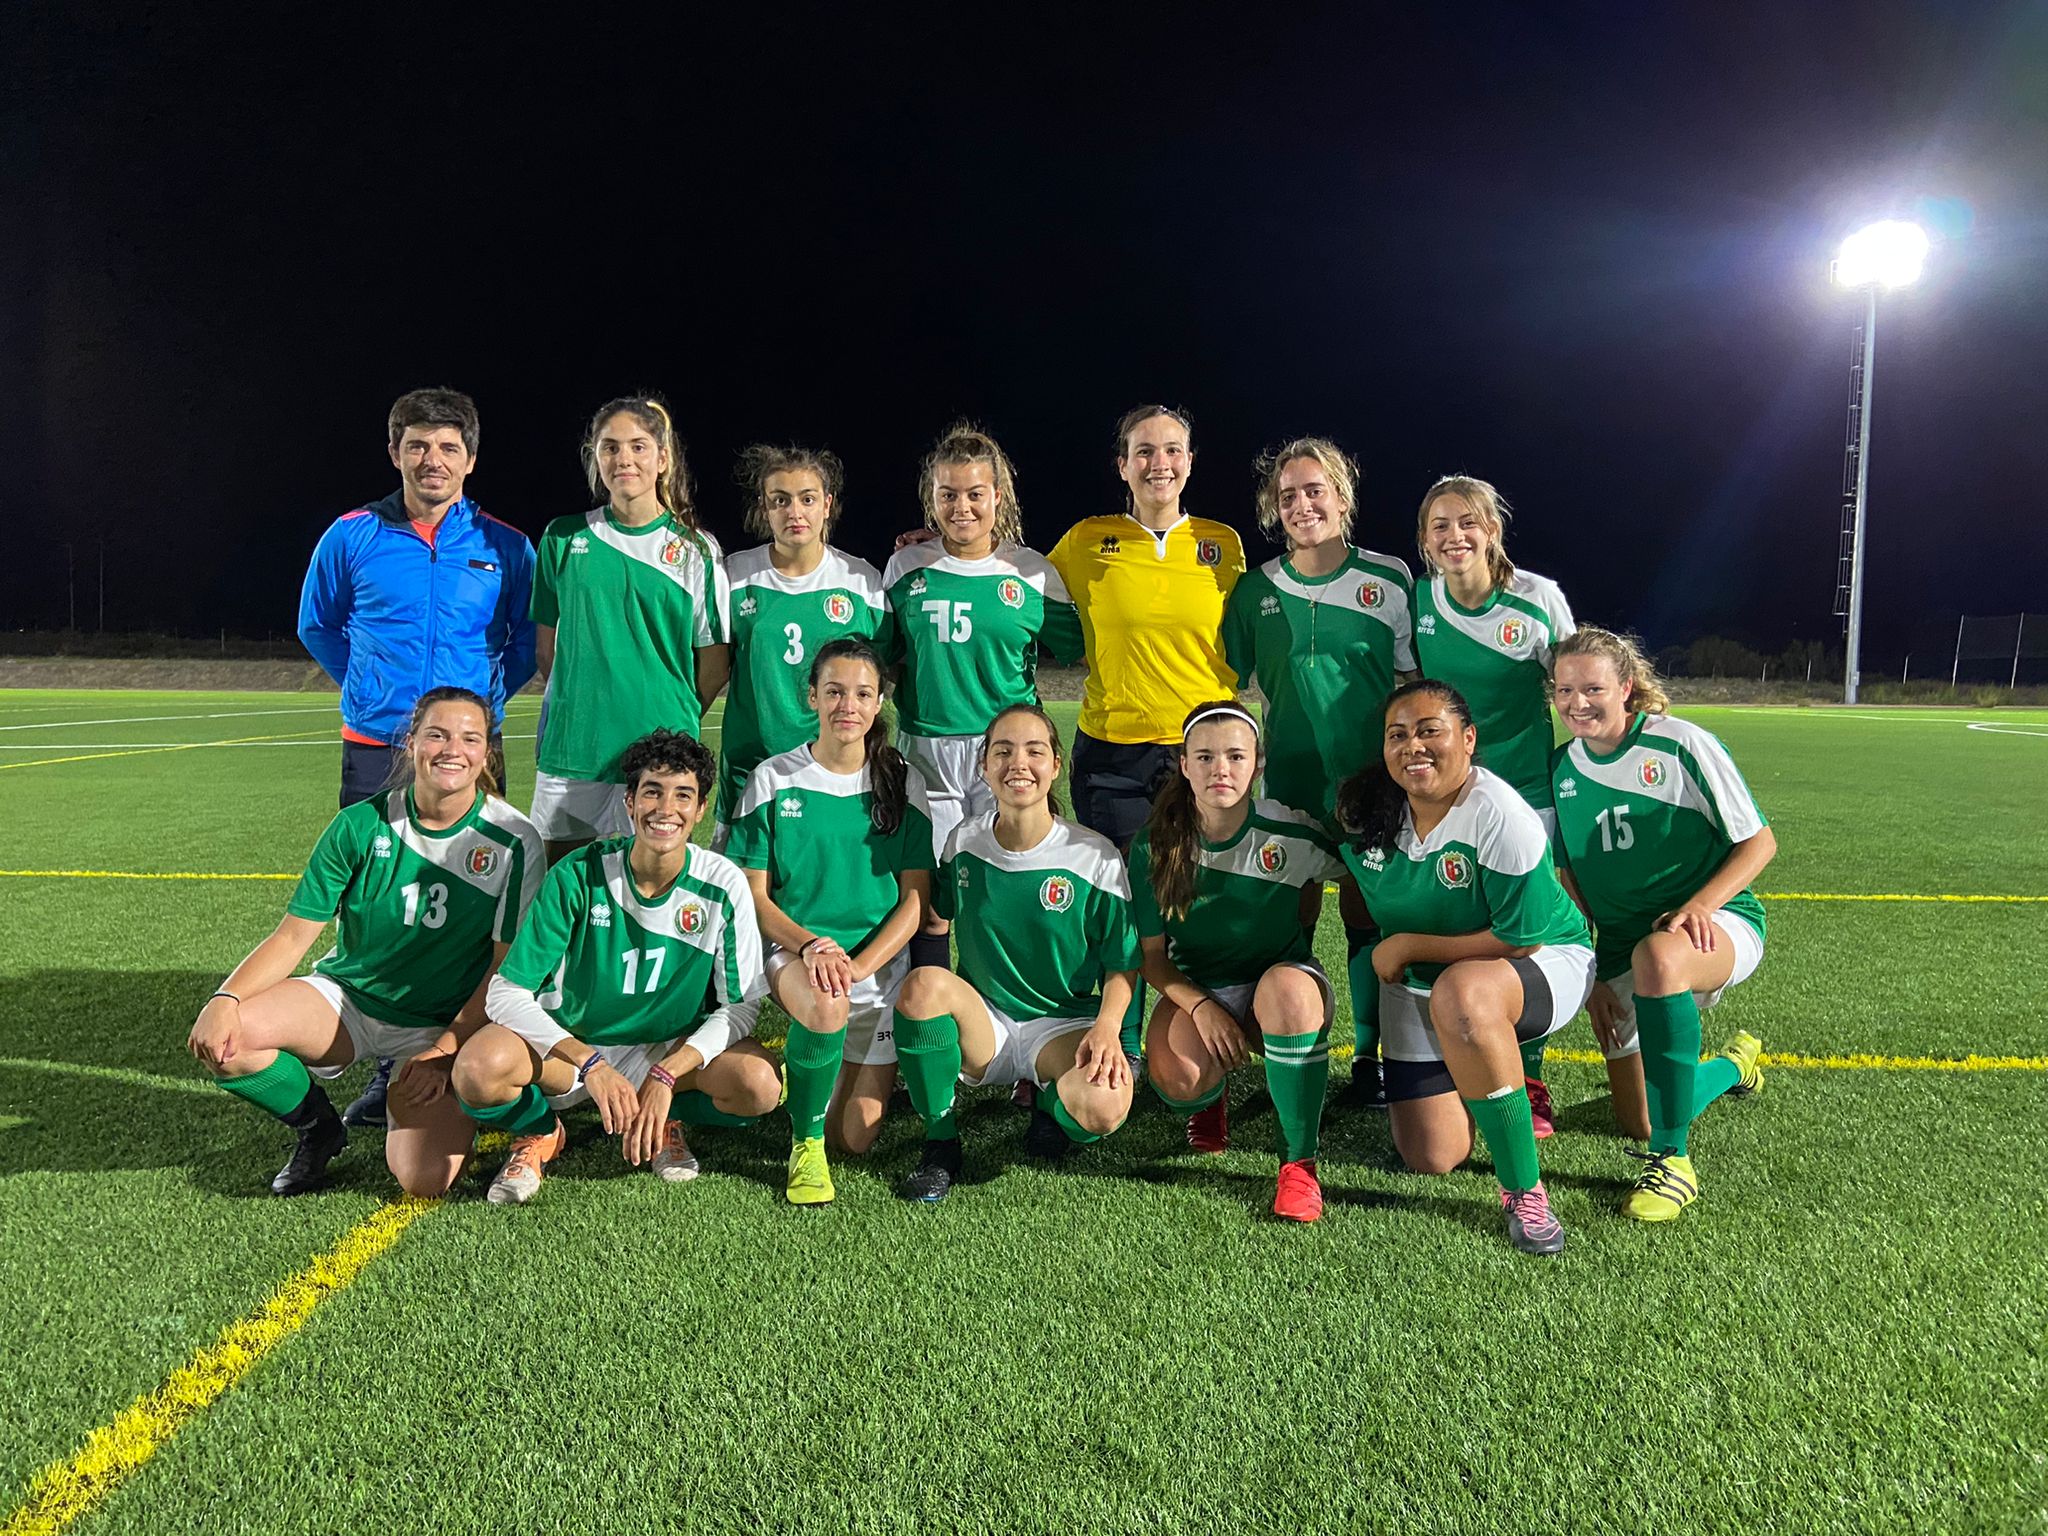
(954, 787)
(1018, 1045)
(373, 1037)
(1238, 999)
(1408, 1043)
(578, 810)
(1749, 954)
(870, 1007)
(629, 1061)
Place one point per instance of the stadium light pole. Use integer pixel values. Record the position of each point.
(1887, 254)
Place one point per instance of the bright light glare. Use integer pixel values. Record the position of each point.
(1888, 253)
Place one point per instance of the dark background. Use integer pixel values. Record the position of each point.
(1580, 250)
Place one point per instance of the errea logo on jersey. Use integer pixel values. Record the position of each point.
(1651, 772)
(746, 606)
(482, 861)
(1567, 789)
(1272, 856)
(380, 845)
(1011, 591)
(1375, 859)
(580, 545)
(1268, 605)
(839, 608)
(1056, 894)
(790, 805)
(917, 585)
(691, 918)
(1513, 633)
(1454, 870)
(600, 916)
(1426, 625)
(1371, 594)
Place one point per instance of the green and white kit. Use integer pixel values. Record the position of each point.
(1037, 932)
(811, 830)
(777, 624)
(1324, 651)
(1642, 829)
(418, 914)
(1498, 656)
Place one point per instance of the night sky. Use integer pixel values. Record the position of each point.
(1580, 250)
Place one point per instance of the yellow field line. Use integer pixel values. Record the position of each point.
(1890, 896)
(189, 746)
(1856, 1061)
(63, 1491)
(127, 874)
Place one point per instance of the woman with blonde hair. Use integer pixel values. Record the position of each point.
(1663, 843)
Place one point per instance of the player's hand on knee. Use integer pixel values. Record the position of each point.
(1101, 1055)
(1390, 958)
(214, 1033)
(423, 1080)
(617, 1104)
(1696, 922)
(643, 1138)
(1221, 1035)
(1603, 1008)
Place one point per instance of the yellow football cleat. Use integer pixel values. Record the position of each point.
(810, 1176)
(1744, 1050)
(1666, 1186)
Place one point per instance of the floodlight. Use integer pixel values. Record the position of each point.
(1887, 254)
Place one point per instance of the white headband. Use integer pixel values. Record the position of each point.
(1224, 712)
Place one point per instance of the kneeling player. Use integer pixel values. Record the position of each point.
(836, 841)
(1048, 957)
(429, 881)
(1226, 890)
(1484, 951)
(1663, 841)
(634, 983)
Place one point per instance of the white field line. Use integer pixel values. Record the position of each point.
(231, 714)
(2004, 730)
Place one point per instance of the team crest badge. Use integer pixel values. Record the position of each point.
(838, 607)
(691, 918)
(482, 860)
(1371, 594)
(1057, 894)
(1208, 552)
(1272, 856)
(672, 552)
(1454, 870)
(1011, 591)
(1513, 632)
(1652, 772)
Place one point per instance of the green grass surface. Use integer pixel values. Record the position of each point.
(1846, 1334)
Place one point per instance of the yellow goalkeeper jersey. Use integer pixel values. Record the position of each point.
(1151, 607)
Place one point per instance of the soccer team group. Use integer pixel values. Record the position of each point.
(923, 908)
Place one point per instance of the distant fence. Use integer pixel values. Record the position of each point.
(1985, 648)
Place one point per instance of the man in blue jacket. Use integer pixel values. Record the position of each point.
(420, 590)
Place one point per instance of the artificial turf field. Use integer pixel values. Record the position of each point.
(1846, 1333)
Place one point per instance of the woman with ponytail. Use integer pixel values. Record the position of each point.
(1663, 843)
(1226, 889)
(835, 837)
(629, 603)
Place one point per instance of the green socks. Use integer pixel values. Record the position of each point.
(928, 1056)
(279, 1088)
(1503, 1119)
(1194, 1105)
(1365, 990)
(1678, 1085)
(524, 1116)
(1049, 1101)
(1297, 1072)
(1133, 1032)
(694, 1107)
(812, 1058)
(1532, 1057)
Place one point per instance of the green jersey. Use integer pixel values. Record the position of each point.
(630, 608)
(828, 867)
(777, 623)
(1324, 651)
(1498, 656)
(1485, 867)
(1038, 930)
(1246, 915)
(418, 910)
(613, 967)
(967, 632)
(1644, 827)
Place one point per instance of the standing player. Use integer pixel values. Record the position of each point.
(634, 983)
(628, 600)
(1483, 952)
(428, 882)
(1325, 630)
(1664, 842)
(1226, 890)
(1048, 958)
(788, 597)
(419, 590)
(1487, 629)
(967, 614)
(836, 841)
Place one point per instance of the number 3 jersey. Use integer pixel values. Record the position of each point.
(967, 632)
(1644, 827)
(613, 967)
(1038, 929)
(777, 624)
(1486, 867)
(418, 911)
